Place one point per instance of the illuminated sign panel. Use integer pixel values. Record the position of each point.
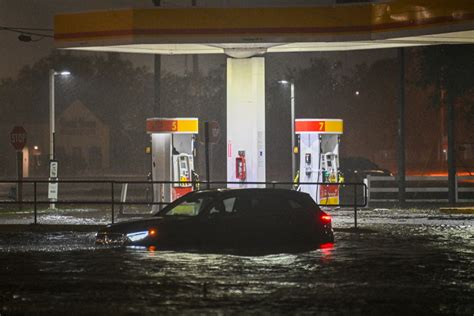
(172, 125)
(318, 126)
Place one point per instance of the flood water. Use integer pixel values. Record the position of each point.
(405, 262)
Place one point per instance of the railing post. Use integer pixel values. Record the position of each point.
(123, 197)
(355, 206)
(35, 204)
(456, 188)
(206, 146)
(366, 195)
(367, 188)
(113, 201)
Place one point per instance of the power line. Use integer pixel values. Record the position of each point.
(26, 28)
(26, 32)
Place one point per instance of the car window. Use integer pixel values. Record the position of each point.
(243, 204)
(232, 205)
(223, 206)
(268, 203)
(190, 207)
(259, 203)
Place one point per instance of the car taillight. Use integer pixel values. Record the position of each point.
(152, 232)
(324, 218)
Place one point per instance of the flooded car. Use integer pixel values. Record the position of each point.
(228, 218)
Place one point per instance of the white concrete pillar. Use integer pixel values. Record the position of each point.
(246, 117)
(161, 167)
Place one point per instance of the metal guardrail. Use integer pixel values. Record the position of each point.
(433, 188)
(113, 185)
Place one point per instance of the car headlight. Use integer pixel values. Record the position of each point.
(136, 236)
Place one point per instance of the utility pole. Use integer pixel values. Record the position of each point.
(195, 56)
(401, 128)
(451, 150)
(157, 75)
(293, 155)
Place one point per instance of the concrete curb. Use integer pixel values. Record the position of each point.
(457, 210)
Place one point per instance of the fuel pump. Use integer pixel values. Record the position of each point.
(183, 165)
(241, 166)
(319, 157)
(330, 164)
(308, 167)
(173, 152)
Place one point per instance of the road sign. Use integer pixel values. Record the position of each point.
(18, 137)
(53, 184)
(53, 168)
(53, 191)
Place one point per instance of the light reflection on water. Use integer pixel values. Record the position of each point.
(393, 269)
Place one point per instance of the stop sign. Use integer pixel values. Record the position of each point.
(18, 137)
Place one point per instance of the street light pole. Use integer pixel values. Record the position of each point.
(51, 114)
(52, 132)
(51, 135)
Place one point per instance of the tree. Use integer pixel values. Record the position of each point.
(369, 98)
(314, 88)
(119, 93)
(203, 96)
(448, 70)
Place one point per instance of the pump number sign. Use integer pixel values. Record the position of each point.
(330, 126)
(172, 125)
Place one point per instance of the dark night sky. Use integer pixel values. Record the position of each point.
(39, 14)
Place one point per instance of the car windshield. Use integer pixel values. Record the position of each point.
(186, 206)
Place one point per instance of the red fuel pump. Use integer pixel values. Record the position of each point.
(240, 166)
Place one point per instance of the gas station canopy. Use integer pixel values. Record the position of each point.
(246, 32)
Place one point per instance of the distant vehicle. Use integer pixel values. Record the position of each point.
(228, 219)
(356, 169)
